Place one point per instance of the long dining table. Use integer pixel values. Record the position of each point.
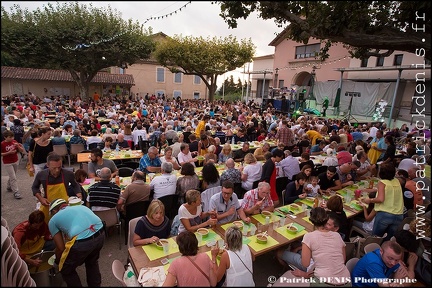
(294, 214)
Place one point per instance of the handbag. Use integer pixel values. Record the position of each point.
(28, 166)
(31, 173)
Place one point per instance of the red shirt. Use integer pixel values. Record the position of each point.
(6, 147)
(22, 232)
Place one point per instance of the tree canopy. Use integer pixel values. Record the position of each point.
(366, 28)
(79, 38)
(206, 58)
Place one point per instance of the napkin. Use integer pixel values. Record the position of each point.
(152, 276)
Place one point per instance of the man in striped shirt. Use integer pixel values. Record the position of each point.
(104, 194)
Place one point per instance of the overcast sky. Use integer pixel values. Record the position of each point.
(195, 19)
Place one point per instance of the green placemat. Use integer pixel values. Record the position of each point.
(305, 201)
(258, 247)
(349, 213)
(353, 204)
(153, 252)
(307, 219)
(212, 236)
(342, 192)
(225, 226)
(261, 218)
(210, 256)
(246, 240)
(284, 231)
(288, 209)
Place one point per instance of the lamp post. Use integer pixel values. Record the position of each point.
(275, 81)
(311, 95)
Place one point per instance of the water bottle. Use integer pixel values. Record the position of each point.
(232, 140)
(267, 220)
(117, 149)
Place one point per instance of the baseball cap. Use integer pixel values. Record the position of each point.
(56, 203)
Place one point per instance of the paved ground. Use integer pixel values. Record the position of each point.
(16, 211)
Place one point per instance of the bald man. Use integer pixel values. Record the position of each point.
(104, 194)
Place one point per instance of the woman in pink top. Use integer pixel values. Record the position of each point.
(327, 250)
(192, 268)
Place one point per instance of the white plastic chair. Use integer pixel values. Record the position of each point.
(62, 151)
(206, 195)
(118, 270)
(111, 219)
(132, 224)
(352, 263)
(371, 247)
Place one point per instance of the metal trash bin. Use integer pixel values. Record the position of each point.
(45, 275)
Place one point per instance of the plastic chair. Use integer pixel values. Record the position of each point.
(206, 195)
(350, 250)
(363, 242)
(125, 172)
(76, 148)
(406, 220)
(358, 230)
(283, 197)
(351, 264)
(111, 219)
(132, 224)
(133, 210)
(170, 203)
(371, 247)
(131, 164)
(62, 151)
(118, 271)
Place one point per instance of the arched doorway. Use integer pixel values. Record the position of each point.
(302, 79)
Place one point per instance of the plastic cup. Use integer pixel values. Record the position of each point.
(282, 221)
(308, 211)
(221, 243)
(259, 227)
(304, 207)
(245, 230)
(166, 247)
(199, 237)
(275, 225)
(253, 230)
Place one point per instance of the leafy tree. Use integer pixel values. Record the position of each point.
(206, 58)
(78, 38)
(366, 28)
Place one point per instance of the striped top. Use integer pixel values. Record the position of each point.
(104, 194)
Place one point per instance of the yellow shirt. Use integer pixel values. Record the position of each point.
(313, 136)
(199, 128)
(393, 200)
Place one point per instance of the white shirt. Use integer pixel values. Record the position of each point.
(163, 185)
(136, 133)
(254, 172)
(240, 271)
(183, 158)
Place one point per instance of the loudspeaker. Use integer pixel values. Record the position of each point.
(301, 96)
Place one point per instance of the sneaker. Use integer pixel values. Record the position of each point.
(17, 195)
(9, 189)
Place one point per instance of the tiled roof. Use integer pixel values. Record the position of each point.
(62, 75)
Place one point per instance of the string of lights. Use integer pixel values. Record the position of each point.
(166, 15)
(89, 44)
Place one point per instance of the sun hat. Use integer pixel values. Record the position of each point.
(56, 203)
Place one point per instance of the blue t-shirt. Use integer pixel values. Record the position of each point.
(371, 267)
(77, 221)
